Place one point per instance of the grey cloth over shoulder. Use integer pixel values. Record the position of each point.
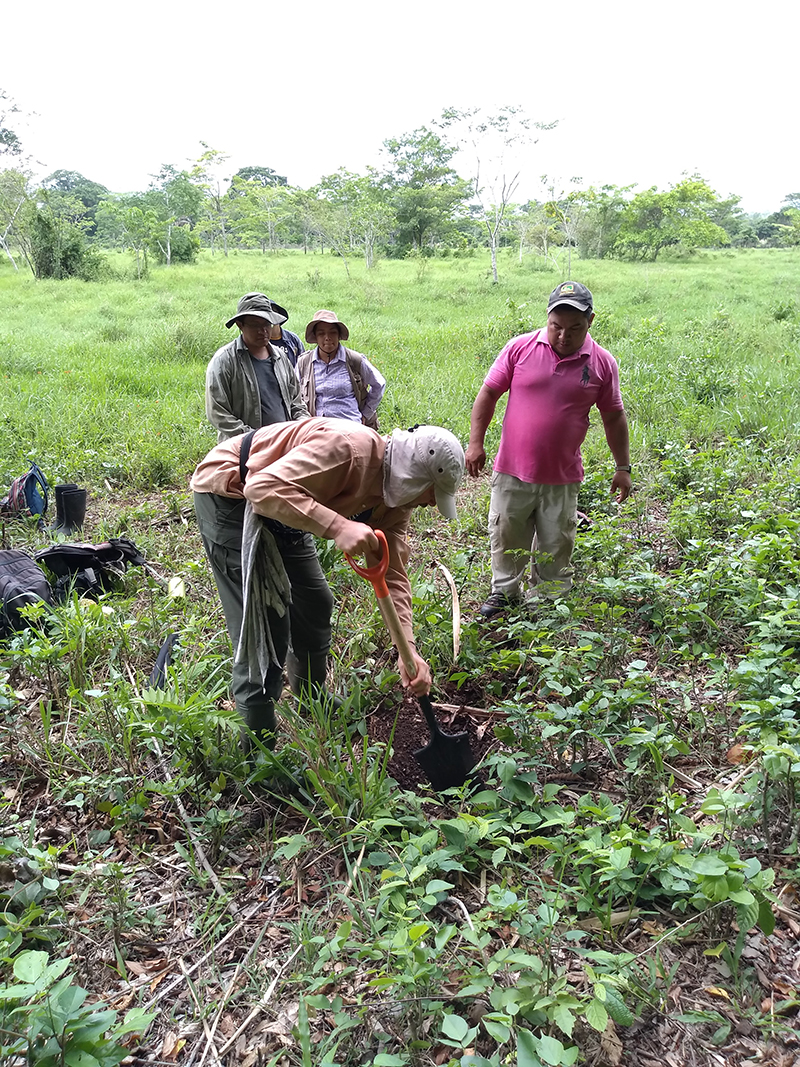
(265, 584)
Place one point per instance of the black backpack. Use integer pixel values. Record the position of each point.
(89, 569)
(21, 583)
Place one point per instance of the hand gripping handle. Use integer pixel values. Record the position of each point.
(377, 576)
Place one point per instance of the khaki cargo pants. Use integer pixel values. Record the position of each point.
(532, 525)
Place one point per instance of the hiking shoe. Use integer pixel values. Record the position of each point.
(496, 604)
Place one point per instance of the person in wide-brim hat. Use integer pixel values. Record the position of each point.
(262, 307)
(329, 317)
(335, 381)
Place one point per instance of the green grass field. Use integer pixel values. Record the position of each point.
(628, 882)
(108, 377)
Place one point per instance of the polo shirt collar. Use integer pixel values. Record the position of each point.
(584, 350)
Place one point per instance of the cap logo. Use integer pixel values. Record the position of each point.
(566, 289)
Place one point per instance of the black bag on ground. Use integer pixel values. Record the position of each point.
(28, 494)
(89, 569)
(21, 582)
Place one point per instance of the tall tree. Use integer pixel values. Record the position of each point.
(566, 211)
(492, 141)
(176, 201)
(358, 205)
(260, 175)
(258, 213)
(422, 187)
(600, 218)
(10, 143)
(14, 195)
(73, 184)
(208, 174)
(681, 216)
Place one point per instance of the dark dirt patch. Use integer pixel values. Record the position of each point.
(411, 733)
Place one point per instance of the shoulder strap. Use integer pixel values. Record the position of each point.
(244, 455)
(355, 368)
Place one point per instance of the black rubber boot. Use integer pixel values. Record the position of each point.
(263, 723)
(311, 676)
(70, 509)
(59, 495)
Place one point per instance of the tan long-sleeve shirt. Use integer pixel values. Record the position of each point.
(311, 475)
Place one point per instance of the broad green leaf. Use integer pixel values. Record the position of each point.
(77, 1058)
(494, 1028)
(29, 966)
(709, 865)
(454, 1027)
(620, 858)
(716, 951)
(551, 1050)
(437, 885)
(747, 917)
(136, 1021)
(18, 992)
(527, 1054)
(564, 1019)
(741, 896)
(766, 917)
(596, 1015)
(443, 935)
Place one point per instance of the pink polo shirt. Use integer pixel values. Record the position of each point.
(547, 416)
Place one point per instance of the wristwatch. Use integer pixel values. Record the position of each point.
(627, 469)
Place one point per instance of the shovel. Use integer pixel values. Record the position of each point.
(447, 759)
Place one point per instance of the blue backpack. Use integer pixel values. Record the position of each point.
(28, 493)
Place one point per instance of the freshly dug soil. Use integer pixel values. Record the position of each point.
(411, 733)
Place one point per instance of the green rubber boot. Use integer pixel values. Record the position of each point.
(262, 722)
(309, 680)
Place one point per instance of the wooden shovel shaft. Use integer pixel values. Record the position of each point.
(393, 625)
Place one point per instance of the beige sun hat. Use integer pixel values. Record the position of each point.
(325, 316)
(420, 458)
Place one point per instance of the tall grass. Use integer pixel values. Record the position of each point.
(106, 378)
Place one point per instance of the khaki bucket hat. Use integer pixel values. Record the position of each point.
(325, 316)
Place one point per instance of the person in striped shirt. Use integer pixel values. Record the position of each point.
(335, 381)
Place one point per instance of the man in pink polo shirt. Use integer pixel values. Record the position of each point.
(553, 377)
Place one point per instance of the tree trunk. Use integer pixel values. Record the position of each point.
(7, 251)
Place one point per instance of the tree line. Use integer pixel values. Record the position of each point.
(416, 204)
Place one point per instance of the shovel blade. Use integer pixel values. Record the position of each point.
(447, 760)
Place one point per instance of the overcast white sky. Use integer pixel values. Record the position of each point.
(642, 91)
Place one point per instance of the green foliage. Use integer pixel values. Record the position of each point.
(57, 244)
(44, 1017)
(261, 175)
(680, 217)
(422, 187)
(508, 923)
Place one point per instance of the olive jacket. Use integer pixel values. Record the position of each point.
(233, 402)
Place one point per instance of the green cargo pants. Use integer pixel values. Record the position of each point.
(308, 625)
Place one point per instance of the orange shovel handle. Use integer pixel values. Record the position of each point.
(377, 575)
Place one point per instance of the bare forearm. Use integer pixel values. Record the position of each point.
(482, 413)
(615, 425)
